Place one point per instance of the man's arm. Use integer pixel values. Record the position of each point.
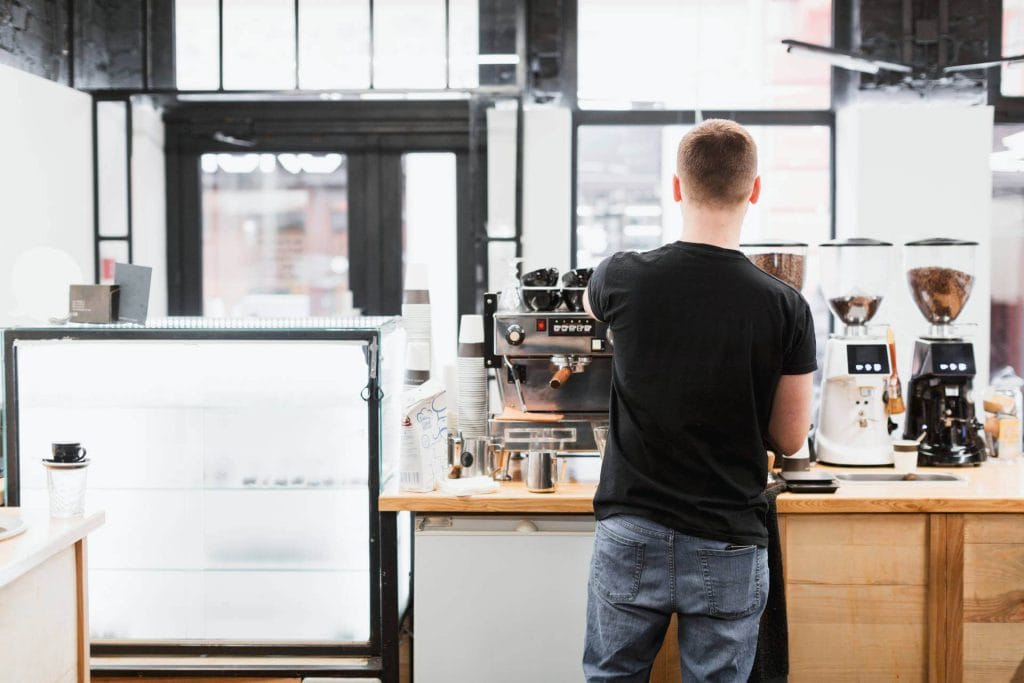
(586, 305)
(791, 412)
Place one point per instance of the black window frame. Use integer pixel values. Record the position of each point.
(99, 97)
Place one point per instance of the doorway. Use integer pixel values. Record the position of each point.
(315, 209)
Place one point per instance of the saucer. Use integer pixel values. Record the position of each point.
(65, 465)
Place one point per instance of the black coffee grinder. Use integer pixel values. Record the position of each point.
(940, 407)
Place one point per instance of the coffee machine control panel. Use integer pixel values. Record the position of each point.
(523, 334)
(867, 359)
(567, 327)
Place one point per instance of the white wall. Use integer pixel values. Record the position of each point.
(46, 224)
(547, 183)
(907, 172)
(149, 202)
(501, 172)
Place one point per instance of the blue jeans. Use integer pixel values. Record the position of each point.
(642, 573)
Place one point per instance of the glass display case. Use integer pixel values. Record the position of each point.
(238, 463)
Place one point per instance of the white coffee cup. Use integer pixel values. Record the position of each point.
(904, 456)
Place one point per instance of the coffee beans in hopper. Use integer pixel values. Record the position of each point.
(787, 267)
(940, 293)
(855, 310)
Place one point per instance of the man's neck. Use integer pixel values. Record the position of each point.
(717, 227)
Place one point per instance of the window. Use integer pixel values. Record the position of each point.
(647, 69)
(344, 44)
(334, 44)
(113, 234)
(259, 44)
(624, 193)
(1008, 248)
(624, 188)
(409, 44)
(706, 54)
(275, 235)
(1012, 76)
(196, 44)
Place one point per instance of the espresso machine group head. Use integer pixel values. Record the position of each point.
(940, 411)
(552, 363)
(853, 420)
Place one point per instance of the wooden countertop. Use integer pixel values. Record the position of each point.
(993, 487)
(43, 538)
(511, 497)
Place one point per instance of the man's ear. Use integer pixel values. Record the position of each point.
(677, 190)
(755, 194)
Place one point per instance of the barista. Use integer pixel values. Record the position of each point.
(713, 359)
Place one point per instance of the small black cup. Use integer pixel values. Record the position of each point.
(547, 299)
(580, 277)
(68, 451)
(542, 277)
(542, 299)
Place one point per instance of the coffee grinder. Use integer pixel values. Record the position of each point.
(940, 408)
(853, 423)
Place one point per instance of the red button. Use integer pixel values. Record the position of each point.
(542, 325)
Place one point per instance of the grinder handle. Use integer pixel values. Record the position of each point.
(560, 377)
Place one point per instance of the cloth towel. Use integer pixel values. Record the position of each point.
(771, 663)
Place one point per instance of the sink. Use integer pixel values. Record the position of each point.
(897, 478)
(10, 526)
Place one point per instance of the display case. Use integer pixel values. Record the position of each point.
(238, 463)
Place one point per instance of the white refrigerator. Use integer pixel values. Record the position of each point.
(500, 598)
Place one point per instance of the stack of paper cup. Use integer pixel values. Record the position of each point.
(417, 363)
(472, 399)
(416, 306)
(451, 385)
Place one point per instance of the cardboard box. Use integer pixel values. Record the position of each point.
(94, 303)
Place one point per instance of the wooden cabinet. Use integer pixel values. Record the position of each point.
(993, 597)
(40, 616)
(857, 596)
(43, 612)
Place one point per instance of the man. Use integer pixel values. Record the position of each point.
(712, 363)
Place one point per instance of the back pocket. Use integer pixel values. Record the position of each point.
(618, 566)
(732, 581)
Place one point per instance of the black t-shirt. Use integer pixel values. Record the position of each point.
(701, 337)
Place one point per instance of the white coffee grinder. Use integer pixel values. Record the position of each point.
(853, 423)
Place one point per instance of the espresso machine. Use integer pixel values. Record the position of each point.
(853, 420)
(553, 368)
(940, 410)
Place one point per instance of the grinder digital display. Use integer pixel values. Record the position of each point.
(867, 359)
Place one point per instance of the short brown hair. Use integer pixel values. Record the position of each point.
(717, 163)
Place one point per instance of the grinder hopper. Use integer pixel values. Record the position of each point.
(940, 273)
